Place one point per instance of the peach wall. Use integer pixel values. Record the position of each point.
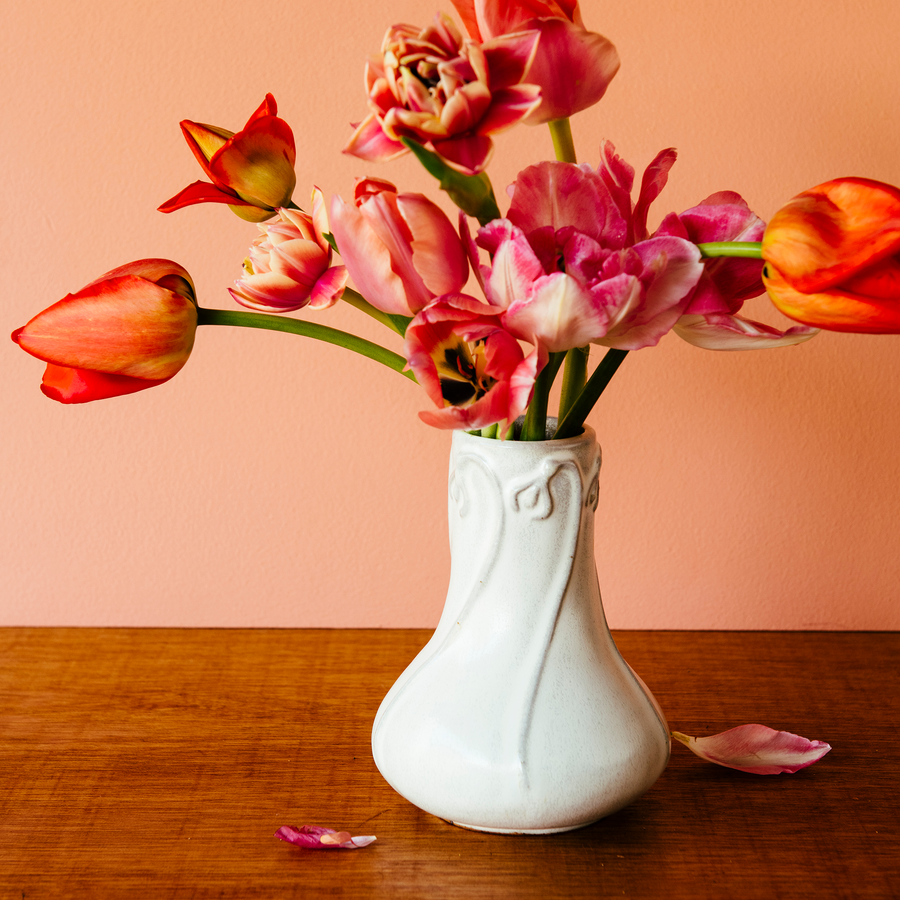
(275, 482)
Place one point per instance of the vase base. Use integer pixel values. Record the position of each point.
(488, 830)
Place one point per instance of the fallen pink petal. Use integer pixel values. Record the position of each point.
(314, 837)
(757, 749)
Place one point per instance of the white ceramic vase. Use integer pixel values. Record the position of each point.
(519, 715)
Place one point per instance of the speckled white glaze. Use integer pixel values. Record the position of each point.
(519, 715)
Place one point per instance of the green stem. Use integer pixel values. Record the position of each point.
(395, 323)
(563, 145)
(306, 329)
(574, 378)
(745, 249)
(573, 423)
(575, 372)
(534, 428)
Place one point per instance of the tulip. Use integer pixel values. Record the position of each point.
(573, 66)
(314, 837)
(448, 95)
(469, 365)
(289, 265)
(756, 749)
(401, 250)
(710, 320)
(833, 257)
(567, 271)
(252, 171)
(131, 329)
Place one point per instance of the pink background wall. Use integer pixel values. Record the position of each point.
(276, 482)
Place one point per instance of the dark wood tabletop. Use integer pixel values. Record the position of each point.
(155, 763)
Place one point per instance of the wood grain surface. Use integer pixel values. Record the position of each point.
(159, 763)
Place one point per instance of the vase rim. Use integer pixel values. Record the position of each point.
(587, 436)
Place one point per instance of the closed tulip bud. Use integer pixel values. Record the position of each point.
(832, 257)
(131, 329)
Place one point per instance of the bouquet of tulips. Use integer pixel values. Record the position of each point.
(570, 264)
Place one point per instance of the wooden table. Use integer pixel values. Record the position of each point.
(159, 763)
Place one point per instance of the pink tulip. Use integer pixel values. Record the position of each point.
(448, 95)
(314, 837)
(252, 171)
(401, 250)
(566, 267)
(289, 265)
(469, 365)
(573, 66)
(131, 329)
(756, 749)
(710, 320)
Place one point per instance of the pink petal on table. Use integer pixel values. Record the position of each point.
(756, 749)
(314, 837)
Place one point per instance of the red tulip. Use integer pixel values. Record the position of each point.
(833, 257)
(131, 329)
(469, 364)
(573, 66)
(252, 171)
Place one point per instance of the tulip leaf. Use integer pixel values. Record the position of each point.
(473, 194)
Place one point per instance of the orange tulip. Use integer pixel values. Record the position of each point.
(252, 171)
(833, 257)
(131, 329)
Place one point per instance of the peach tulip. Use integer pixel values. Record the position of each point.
(451, 96)
(573, 66)
(131, 329)
(401, 250)
(833, 257)
(252, 171)
(289, 265)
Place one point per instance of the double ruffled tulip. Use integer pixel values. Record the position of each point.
(573, 66)
(252, 171)
(448, 95)
(131, 329)
(710, 320)
(289, 265)
(566, 267)
(473, 369)
(400, 249)
(832, 257)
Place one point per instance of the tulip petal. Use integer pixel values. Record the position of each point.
(875, 309)
(204, 140)
(69, 385)
(314, 837)
(559, 195)
(202, 192)
(756, 749)
(717, 331)
(573, 68)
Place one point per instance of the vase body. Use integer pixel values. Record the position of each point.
(519, 715)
